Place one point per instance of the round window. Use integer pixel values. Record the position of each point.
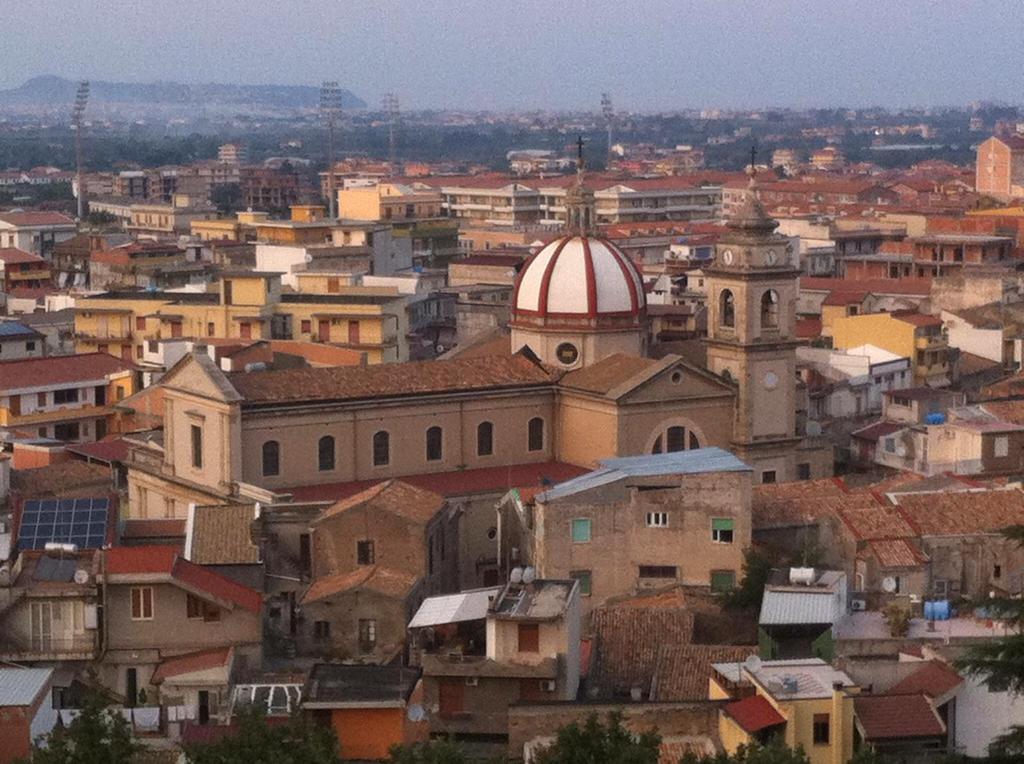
(677, 377)
(492, 532)
(567, 353)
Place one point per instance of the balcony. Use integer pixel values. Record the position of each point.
(15, 647)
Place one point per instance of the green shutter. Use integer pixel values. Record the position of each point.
(581, 530)
(722, 580)
(584, 577)
(721, 523)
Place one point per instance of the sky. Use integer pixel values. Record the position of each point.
(649, 55)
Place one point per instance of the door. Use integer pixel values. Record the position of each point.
(452, 696)
(353, 332)
(131, 687)
(323, 328)
(204, 707)
(40, 616)
(15, 405)
(245, 330)
(175, 328)
(101, 395)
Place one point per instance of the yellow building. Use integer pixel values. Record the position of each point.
(911, 335)
(804, 703)
(246, 305)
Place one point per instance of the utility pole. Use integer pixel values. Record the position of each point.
(390, 107)
(609, 119)
(78, 122)
(330, 108)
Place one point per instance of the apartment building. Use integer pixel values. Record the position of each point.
(646, 521)
(35, 232)
(68, 398)
(173, 218)
(916, 336)
(23, 270)
(485, 649)
(999, 167)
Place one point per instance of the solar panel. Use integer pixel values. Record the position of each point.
(65, 521)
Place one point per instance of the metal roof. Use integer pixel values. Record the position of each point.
(21, 686)
(453, 608)
(794, 607)
(16, 329)
(696, 461)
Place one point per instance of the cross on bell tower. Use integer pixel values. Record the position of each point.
(579, 202)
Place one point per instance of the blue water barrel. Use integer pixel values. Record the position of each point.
(936, 417)
(941, 610)
(929, 610)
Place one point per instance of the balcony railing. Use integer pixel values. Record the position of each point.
(15, 647)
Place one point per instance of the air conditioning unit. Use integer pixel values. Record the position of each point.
(472, 681)
(547, 685)
(858, 605)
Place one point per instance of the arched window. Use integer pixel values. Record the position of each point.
(535, 436)
(434, 444)
(675, 439)
(271, 458)
(325, 453)
(484, 439)
(770, 309)
(381, 448)
(727, 307)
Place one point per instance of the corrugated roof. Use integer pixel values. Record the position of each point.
(788, 607)
(16, 329)
(696, 461)
(20, 686)
(454, 608)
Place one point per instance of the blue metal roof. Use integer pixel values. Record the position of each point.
(697, 461)
(15, 329)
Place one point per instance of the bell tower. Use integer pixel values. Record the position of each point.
(752, 291)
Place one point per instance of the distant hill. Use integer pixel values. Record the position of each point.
(48, 91)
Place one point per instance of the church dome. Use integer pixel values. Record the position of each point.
(579, 278)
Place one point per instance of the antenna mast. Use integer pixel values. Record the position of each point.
(78, 122)
(390, 107)
(330, 108)
(609, 120)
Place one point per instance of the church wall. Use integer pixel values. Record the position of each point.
(592, 347)
(587, 430)
(353, 429)
(711, 420)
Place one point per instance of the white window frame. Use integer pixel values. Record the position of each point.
(1001, 446)
(657, 519)
(142, 603)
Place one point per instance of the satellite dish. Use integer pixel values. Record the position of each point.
(888, 584)
(529, 575)
(415, 713)
(753, 664)
(81, 576)
(516, 576)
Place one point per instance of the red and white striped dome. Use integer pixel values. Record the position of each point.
(579, 277)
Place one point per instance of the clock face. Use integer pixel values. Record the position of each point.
(771, 257)
(770, 380)
(727, 257)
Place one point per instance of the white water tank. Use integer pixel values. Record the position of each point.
(802, 576)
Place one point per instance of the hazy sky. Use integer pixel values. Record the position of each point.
(649, 54)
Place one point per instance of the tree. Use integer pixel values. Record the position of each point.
(434, 752)
(227, 197)
(756, 569)
(96, 735)
(898, 619)
(999, 662)
(255, 741)
(774, 753)
(597, 743)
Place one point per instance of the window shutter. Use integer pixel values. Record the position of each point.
(721, 524)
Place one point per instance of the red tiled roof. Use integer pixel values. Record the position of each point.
(35, 218)
(947, 514)
(113, 450)
(934, 679)
(891, 717)
(897, 553)
(15, 256)
(460, 483)
(754, 713)
(918, 319)
(149, 529)
(911, 286)
(186, 664)
(203, 579)
(808, 328)
(845, 297)
(127, 560)
(58, 370)
(392, 496)
(390, 583)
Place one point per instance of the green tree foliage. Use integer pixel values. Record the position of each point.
(999, 662)
(297, 741)
(756, 569)
(597, 743)
(227, 197)
(434, 752)
(775, 753)
(898, 619)
(96, 735)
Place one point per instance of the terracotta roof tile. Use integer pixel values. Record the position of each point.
(137, 528)
(911, 286)
(876, 520)
(891, 717)
(934, 679)
(186, 664)
(221, 535)
(754, 713)
(58, 370)
(390, 379)
(943, 514)
(782, 505)
(109, 451)
(897, 553)
(127, 560)
(608, 373)
(682, 672)
(628, 640)
(390, 583)
(395, 497)
(65, 479)
(15, 256)
(35, 218)
(221, 587)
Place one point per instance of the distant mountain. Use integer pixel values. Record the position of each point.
(49, 91)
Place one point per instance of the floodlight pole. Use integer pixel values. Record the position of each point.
(77, 120)
(330, 106)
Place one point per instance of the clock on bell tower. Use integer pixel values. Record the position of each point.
(752, 291)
